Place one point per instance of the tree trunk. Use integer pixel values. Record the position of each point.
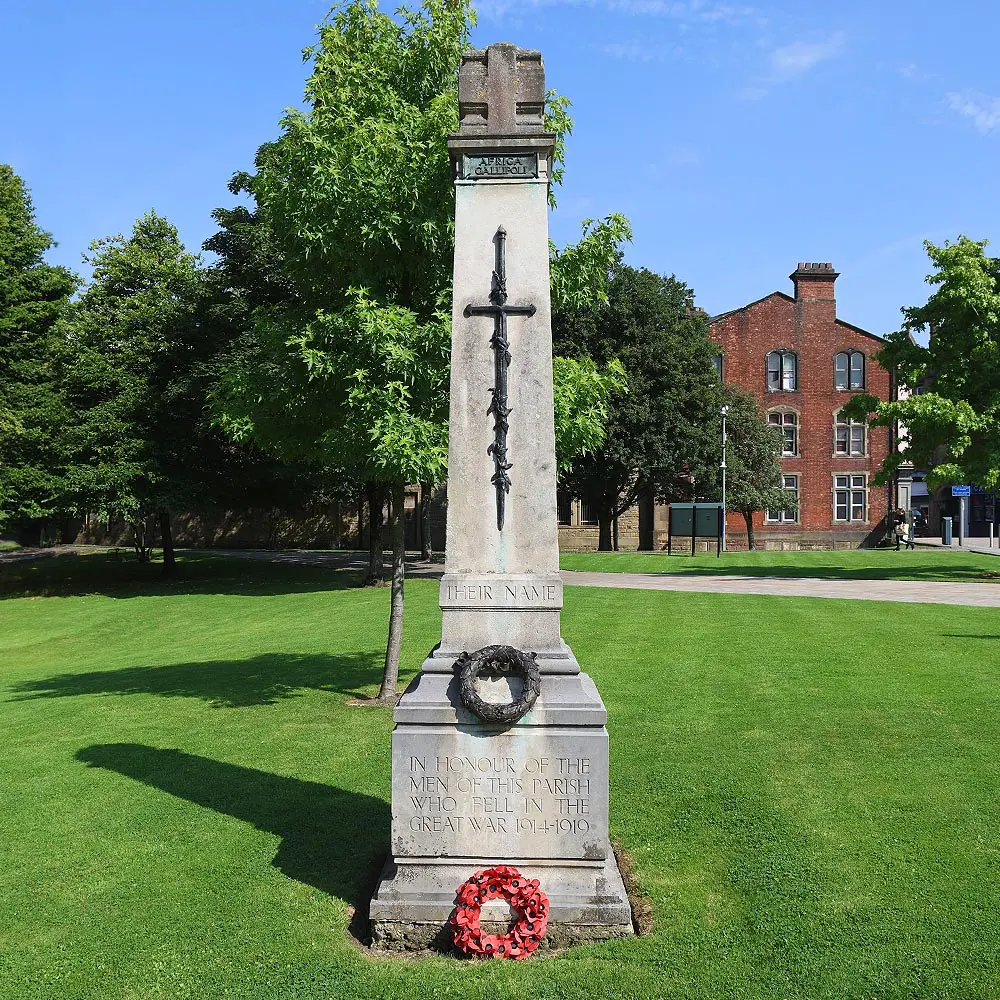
(748, 518)
(391, 673)
(142, 538)
(376, 499)
(647, 508)
(426, 545)
(167, 541)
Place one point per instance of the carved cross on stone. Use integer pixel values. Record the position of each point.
(499, 310)
(501, 91)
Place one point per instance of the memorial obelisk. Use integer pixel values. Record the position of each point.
(500, 746)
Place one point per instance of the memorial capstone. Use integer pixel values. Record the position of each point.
(468, 791)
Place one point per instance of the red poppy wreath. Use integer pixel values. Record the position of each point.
(526, 899)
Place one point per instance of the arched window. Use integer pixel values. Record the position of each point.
(787, 421)
(849, 436)
(849, 370)
(782, 371)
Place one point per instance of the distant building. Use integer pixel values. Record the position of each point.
(803, 364)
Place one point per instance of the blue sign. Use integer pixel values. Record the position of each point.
(961, 491)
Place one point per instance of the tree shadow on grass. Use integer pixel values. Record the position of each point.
(258, 680)
(933, 573)
(332, 839)
(970, 635)
(106, 575)
(912, 567)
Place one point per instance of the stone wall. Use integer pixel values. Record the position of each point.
(577, 537)
(333, 526)
(584, 538)
(325, 528)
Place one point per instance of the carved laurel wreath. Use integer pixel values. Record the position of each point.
(502, 660)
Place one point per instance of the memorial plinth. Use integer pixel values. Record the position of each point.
(468, 792)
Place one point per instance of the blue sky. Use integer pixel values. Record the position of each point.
(740, 138)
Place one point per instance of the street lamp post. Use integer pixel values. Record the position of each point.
(724, 411)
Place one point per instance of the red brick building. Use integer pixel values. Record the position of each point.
(803, 363)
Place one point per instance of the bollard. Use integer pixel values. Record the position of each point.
(991, 535)
(946, 531)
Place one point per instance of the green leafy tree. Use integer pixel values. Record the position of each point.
(661, 439)
(356, 197)
(141, 440)
(33, 297)
(951, 419)
(583, 394)
(753, 469)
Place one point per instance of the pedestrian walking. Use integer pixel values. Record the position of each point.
(902, 531)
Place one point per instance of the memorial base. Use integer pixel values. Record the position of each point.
(468, 795)
(411, 907)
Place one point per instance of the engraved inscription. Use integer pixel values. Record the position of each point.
(519, 794)
(501, 592)
(483, 167)
(537, 795)
(483, 593)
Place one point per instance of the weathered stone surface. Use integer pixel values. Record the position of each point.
(569, 699)
(501, 91)
(559, 660)
(527, 549)
(413, 902)
(467, 794)
(529, 542)
(501, 591)
(473, 791)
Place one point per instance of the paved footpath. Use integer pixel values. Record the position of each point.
(982, 595)
(980, 545)
(977, 595)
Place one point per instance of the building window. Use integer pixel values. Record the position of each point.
(717, 362)
(782, 371)
(787, 421)
(849, 436)
(849, 370)
(588, 513)
(790, 484)
(850, 496)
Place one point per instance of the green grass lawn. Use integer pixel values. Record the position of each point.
(808, 789)
(855, 564)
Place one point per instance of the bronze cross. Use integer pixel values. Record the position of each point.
(499, 310)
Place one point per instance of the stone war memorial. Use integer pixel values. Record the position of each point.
(500, 745)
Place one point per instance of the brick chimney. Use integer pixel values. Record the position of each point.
(814, 289)
(814, 281)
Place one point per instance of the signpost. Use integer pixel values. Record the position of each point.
(722, 547)
(699, 520)
(963, 493)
